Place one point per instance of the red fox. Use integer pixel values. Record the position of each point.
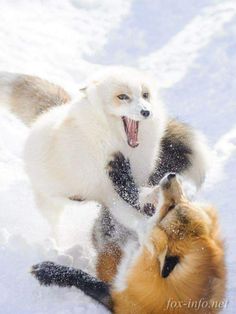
(177, 266)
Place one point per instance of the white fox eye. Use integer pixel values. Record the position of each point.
(123, 97)
(145, 95)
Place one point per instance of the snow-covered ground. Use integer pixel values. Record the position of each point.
(190, 47)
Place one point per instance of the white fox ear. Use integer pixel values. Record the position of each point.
(83, 87)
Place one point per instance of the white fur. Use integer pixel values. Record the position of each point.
(200, 159)
(69, 147)
(134, 247)
(130, 254)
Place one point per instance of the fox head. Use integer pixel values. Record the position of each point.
(183, 223)
(126, 95)
(184, 263)
(178, 216)
(181, 258)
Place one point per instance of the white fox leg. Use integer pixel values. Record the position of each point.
(51, 209)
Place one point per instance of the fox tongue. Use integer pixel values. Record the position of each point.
(132, 132)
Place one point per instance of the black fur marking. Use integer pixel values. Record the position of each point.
(123, 181)
(169, 265)
(108, 226)
(49, 273)
(119, 171)
(149, 209)
(174, 157)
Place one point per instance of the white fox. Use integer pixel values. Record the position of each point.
(72, 148)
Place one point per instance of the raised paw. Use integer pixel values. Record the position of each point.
(149, 209)
(44, 272)
(149, 198)
(119, 172)
(118, 165)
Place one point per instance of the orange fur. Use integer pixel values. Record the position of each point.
(107, 262)
(190, 232)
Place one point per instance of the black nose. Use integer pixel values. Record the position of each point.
(145, 113)
(171, 176)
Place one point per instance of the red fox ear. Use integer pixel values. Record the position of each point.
(160, 241)
(162, 258)
(169, 264)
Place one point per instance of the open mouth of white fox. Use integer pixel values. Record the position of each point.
(131, 130)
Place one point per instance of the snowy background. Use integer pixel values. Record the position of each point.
(190, 47)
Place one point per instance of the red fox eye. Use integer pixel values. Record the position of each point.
(145, 95)
(172, 206)
(123, 97)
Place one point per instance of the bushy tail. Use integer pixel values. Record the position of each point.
(28, 96)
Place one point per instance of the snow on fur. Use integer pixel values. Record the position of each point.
(66, 41)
